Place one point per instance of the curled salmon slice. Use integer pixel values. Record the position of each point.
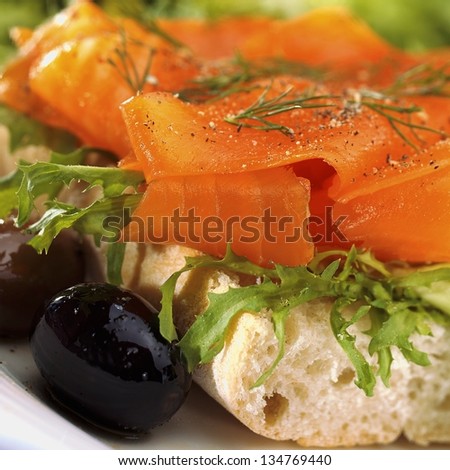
(262, 214)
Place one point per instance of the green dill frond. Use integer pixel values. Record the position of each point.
(258, 114)
(127, 67)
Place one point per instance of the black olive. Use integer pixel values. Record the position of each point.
(100, 350)
(28, 280)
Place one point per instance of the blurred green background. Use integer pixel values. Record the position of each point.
(411, 24)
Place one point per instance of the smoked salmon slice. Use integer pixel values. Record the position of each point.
(171, 137)
(75, 22)
(407, 217)
(15, 92)
(74, 71)
(263, 214)
(354, 157)
(91, 77)
(215, 39)
(330, 38)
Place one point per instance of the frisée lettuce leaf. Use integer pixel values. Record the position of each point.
(397, 306)
(119, 196)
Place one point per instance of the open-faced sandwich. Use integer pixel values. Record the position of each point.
(280, 188)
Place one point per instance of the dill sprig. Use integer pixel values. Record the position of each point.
(258, 114)
(238, 74)
(421, 80)
(242, 75)
(398, 116)
(126, 66)
(394, 115)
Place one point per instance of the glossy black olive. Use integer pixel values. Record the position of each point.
(28, 280)
(100, 350)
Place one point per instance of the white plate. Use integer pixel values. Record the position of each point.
(30, 420)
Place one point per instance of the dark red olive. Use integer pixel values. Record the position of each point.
(101, 352)
(28, 280)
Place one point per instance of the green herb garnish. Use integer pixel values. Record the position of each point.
(126, 66)
(20, 190)
(398, 117)
(422, 80)
(260, 113)
(9, 185)
(237, 74)
(360, 286)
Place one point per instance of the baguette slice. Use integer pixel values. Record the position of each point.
(311, 397)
